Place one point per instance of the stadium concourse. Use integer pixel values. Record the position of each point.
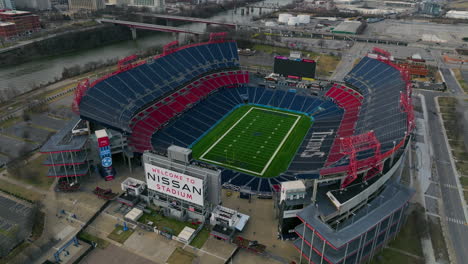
(349, 152)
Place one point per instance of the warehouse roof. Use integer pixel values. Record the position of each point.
(347, 27)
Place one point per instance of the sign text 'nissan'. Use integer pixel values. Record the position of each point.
(175, 184)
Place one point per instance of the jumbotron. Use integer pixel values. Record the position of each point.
(329, 152)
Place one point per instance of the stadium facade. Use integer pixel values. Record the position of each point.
(350, 160)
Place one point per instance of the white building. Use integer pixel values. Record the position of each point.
(152, 4)
(228, 217)
(133, 186)
(91, 5)
(320, 4)
(34, 4)
(457, 14)
(292, 190)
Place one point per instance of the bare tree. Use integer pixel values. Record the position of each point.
(321, 42)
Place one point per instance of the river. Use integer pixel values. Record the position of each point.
(24, 77)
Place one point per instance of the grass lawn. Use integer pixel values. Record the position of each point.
(456, 139)
(409, 238)
(35, 173)
(201, 238)
(9, 122)
(438, 241)
(8, 258)
(280, 50)
(388, 256)
(161, 221)
(119, 235)
(38, 226)
(180, 256)
(101, 243)
(326, 64)
(464, 181)
(255, 140)
(460, 80)
(57, 91)
(19, 191)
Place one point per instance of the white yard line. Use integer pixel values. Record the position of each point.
(229, 130)
(224, 164)
(298, 117)
(280, 145)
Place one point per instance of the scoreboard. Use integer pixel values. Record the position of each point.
(295, 68)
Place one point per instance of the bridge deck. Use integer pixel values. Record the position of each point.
(189, 19)
(149, 26)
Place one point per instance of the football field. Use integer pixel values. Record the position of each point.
(256, 140)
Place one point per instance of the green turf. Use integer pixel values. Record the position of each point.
(255, 140)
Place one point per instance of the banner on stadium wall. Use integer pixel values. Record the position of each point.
(174, 184)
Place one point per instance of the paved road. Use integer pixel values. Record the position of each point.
(357, 51)
(452, 84)
(452, 203)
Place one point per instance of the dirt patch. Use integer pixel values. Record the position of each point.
(180, 256)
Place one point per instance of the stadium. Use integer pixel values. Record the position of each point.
(346, 141)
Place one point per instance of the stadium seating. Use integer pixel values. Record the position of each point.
(350, 101)
(381, 85)
(186, 129)
(160, 112)
(114, 100)
(178, 97)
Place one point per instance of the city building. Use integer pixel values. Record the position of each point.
(7, 29)
(7, 4)
(320, 4)
(431, 8)
(34, 4)
(23, 23)
(151, 4)
(59, 4)
(399, 4)
(457, 14)
(89, 5)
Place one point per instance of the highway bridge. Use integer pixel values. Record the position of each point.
(187, 19)
(279, 30)
(134, 25)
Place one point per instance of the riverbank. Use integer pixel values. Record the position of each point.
(66, 42)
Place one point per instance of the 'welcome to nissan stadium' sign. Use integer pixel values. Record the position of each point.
(175, 184)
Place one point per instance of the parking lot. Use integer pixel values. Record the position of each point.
(16, 221)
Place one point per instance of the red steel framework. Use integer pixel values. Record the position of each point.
(126, 63)
(354, 144)
(80, 90)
